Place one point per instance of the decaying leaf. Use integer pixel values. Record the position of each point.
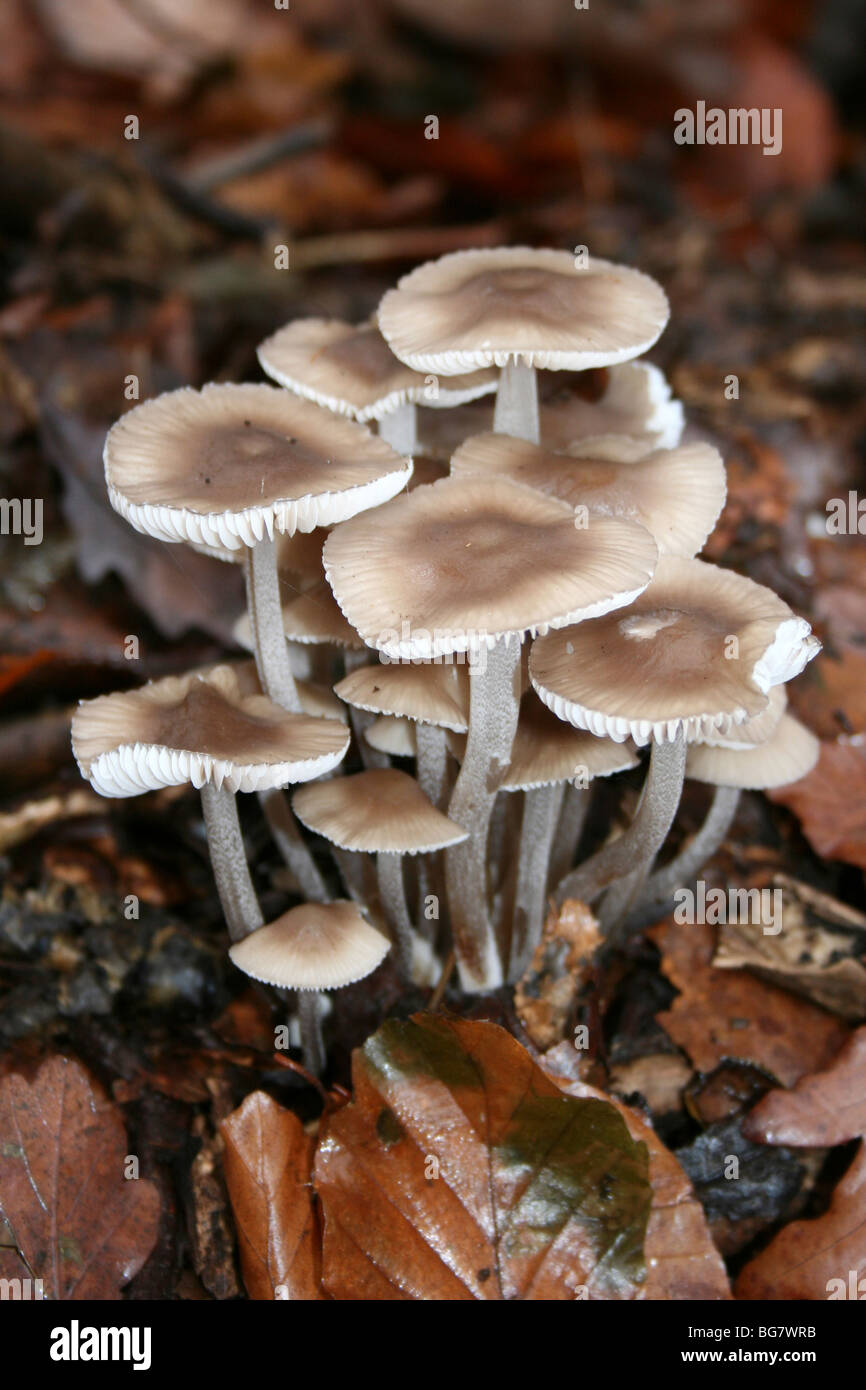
(731, 1013)
(824, 1258)
(830, 803)
(81, 1225)
(462, 1171)
(267, 1167)
(546, 995)
(682, 1261)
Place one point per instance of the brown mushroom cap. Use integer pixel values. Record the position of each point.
(515, 304)
(314, 946)
(546, 751)
(350, 369)
(392, 735)
(429, 692)
(310, 618)
(662, 666)
(788, 754)
(455, 566)
(677, 494)
(229, 465)
(379, 811)
(199, 728)
(298, 556)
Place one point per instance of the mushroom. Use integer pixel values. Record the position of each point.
(393, 736)
(350, 369)
(315, 946)
(383, 812)
(520, 308)
(470, 565)
(695, 655)
(234, 466)
(200, 728)
(677, 494)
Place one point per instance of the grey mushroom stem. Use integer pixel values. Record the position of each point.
(266, 620)
(432, 763)
(398, 429)
(310, 1009)
(572, 818)
(516, 410)
(289, 842)
(494, 701)
(688, 863)
(392, 890)
(637, 846)
(541, 808)
(237, 895)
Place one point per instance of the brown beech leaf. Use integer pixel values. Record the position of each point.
(731, 1013)
(682, 1261)
(824, 1258)
(461, 1171)
(82, 1227)
(267, 1166)
(830, 802)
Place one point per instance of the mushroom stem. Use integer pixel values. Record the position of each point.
(432, 763)
(701, 847)
(569, 829)
(266, 621)
(310, 1010)
(292, 847)
(398, 429)
(361, 719)
(235, 887)
(516, 410)
(392, 890)
(493, 708)
(645, 836)
(541, 807)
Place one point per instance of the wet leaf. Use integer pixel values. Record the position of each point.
(83, 1228)
(267, 1168)
(828, 1107)
(462, 1171)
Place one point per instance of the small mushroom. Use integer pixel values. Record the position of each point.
(315, 946)
(383, 812)
(520, 308)
(350, 369)
(470, 565)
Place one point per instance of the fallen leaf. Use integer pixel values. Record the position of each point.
(82, 1227)
(460, 1170)
(210, 1228)
(682, 1261)
(267, 1163)
(824, 1257)
(730, 1013)
(546, 995)
(830, 802)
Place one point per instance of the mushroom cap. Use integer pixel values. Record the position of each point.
(231, 464)
(546, 750)
(662, 666)
(378, 811)
(310, 618)
(299, 555)
(314, 946)
(350, 369)
(758, 729)
(458, 565)
(430, 692)
(392, 735)
(199, 728)
(677, 494)
(788, 754)
(482, 308)
(315, 699)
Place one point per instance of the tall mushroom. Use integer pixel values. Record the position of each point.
(469, 566)
(519, 308)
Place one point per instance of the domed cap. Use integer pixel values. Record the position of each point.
(392, 735)
(382, 810)
(228, 465)
(677, 494)
(455, 566)
(199, 728)
(314, 946)
(788, 754)
(516, 304)
(429, 692)
(546, 751)
(636, 404)
(698, 651)
(351, 370)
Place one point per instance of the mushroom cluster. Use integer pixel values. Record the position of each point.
(504, 597)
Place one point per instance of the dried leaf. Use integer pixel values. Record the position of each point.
(682, 1261)
(546, 995)
(462, 1171)
(730, 1013)
(81, 1226)
(830, 803)
(267, 1167)
(827, 1107)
